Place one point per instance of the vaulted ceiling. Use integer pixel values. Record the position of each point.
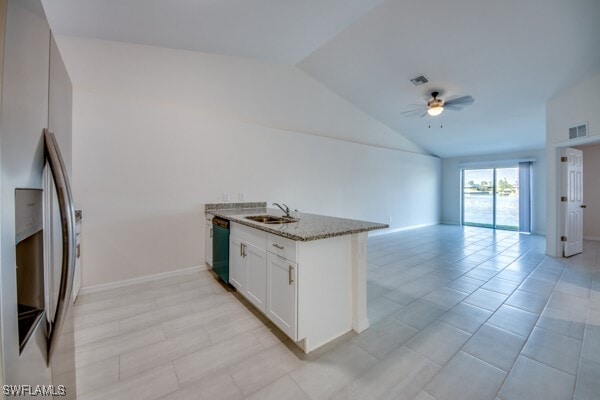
(512, 56)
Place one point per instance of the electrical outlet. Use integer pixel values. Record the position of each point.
(242, 196)
(225, 196)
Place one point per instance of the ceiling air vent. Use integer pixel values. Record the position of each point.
(419, 80)
(578, 131)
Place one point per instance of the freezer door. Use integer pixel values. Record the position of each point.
(23, 114)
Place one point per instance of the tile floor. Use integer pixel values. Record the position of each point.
(456, 313)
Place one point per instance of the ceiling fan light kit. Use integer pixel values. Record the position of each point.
(436, 110)
(435, 106)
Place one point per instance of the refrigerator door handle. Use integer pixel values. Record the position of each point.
(67, 218)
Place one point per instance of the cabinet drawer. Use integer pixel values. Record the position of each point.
(249, 235)
(281, 246)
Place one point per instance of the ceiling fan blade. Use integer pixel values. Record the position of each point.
(422, 115)
(464, 100)
(453, 107)
(411, 113)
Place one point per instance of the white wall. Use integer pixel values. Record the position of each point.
(256, 92)
(158, 133)
(591, 191)
(574, 106)
(60, 106)
(451, 185)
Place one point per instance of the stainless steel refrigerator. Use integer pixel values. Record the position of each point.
(37, 221)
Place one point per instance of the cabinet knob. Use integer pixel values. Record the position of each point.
(291, 274)
(280, 247)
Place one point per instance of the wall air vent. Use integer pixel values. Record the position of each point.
(419, 80)
(578, 131)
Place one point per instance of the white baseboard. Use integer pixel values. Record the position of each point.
(596, 238)
(141, 279)
(540, 233)
(404, 228)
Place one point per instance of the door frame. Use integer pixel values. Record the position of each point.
(554, 212)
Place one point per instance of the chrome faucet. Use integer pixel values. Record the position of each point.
(283, 208)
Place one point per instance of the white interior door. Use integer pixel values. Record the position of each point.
(573, 206)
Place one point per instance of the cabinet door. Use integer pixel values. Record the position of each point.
(23, 115)
(238, 274)
(256, 264)
(281, 294)
(208, 234)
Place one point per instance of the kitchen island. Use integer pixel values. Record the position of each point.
(307, 276)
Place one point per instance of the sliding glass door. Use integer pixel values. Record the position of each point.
(491, 198)
(507, 198)
(478, 197)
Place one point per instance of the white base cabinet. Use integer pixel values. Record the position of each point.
(208, 241)
(77, 272)
(313, 291)
(256, 265)
(248, 264)
(238, 273)
(281, 294)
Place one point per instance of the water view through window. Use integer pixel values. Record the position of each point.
(491, 198)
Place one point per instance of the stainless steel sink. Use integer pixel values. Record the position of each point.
(271, 219)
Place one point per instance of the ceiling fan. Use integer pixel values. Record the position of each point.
(436, 106)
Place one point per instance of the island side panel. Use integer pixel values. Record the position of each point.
(324, 290)
(360, 320)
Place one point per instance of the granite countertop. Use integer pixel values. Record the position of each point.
(309, 227)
